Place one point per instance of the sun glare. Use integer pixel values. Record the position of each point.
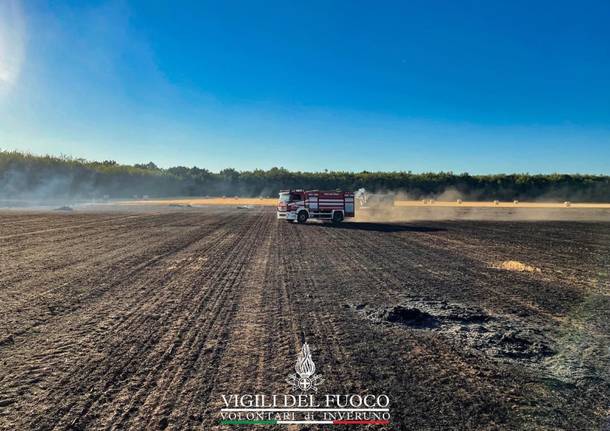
(12, 29)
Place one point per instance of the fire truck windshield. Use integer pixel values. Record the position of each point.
(289, 197)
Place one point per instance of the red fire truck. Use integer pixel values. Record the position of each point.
(301, 205)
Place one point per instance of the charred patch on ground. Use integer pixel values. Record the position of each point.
(412, 317)
(494, 336)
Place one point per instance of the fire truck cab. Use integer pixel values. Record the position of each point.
(301, 205)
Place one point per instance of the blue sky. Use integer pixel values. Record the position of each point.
(480, 87)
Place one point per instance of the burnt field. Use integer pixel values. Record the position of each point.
(143, 318)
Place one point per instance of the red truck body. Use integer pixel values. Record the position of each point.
(301, 205)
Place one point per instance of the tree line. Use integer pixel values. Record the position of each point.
(28, 176)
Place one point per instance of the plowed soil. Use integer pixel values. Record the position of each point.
(143, 319)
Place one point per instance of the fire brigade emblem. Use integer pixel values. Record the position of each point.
(305, 379)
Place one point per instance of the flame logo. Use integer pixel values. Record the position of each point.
(305, 366)
(304, 379)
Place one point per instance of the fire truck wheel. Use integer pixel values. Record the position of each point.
(302, 216)
(337, 217)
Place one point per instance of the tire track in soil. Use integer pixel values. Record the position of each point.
(265, 336)
(208, 337)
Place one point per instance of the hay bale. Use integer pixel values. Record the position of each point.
(515, 265)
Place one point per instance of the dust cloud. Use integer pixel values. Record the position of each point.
(452, 205)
